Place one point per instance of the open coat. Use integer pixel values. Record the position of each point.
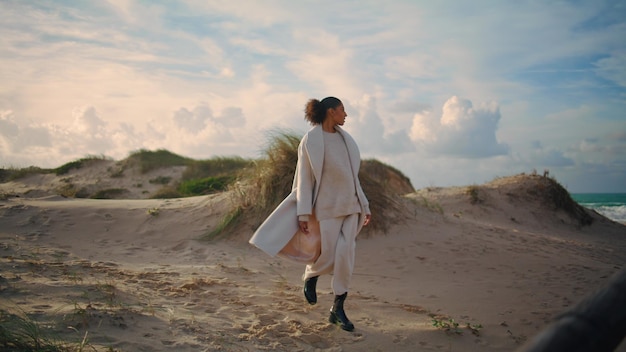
(282, 224)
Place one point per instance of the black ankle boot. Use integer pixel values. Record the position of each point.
(309, 290)
(338, 316)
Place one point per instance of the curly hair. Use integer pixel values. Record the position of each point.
(315, 110)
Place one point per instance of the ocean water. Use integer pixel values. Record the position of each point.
(611, 205)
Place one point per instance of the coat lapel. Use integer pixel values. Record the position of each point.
(315, 150)
(355, 164)
(278, 229)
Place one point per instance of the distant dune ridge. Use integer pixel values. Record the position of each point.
(113, 256)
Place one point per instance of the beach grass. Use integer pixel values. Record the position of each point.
(260, 188)
(20, 333)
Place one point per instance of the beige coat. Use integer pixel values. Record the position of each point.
(282, 224)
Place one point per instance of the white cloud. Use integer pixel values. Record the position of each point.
(8, 127)
(572, 115)
(365, 123)
(19, 138)
(231, 117)
(613, 68)
(87, 121)
(326, 65)
(590, 145)
(196, 120)
(613, 147)
(210, 78)
(462, 130)
(192, 121)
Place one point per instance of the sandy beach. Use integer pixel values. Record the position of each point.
(134, 274)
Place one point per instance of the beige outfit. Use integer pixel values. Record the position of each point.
(340, 230)
(338, 252)
(336, 208)
(306, 183)
(337, 192)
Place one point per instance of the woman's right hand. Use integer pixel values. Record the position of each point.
(304, 226)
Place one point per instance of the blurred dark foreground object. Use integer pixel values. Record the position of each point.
(597, 324)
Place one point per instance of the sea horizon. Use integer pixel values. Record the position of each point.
(611, 205)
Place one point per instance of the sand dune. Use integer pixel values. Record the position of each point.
(133, 274)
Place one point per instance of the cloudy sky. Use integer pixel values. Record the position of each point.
(449, 92)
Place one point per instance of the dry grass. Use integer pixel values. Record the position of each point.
(556, 196)
(261, 188)
(11, 174)
(20, 333)
(391, 178)
(265, 185)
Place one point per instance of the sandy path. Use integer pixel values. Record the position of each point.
(133, 276)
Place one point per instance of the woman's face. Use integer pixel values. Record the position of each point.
(338, 115)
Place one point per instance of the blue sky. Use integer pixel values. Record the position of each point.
(451, 93)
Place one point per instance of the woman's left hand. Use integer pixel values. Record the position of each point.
(368, 217)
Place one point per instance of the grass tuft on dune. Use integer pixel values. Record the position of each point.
(262, 187)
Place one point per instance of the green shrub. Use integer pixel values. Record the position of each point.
(65, 168)
(166, 192)
(205, 186)
(76, 164)
(152, 160)
(214, 167)
(11, 174)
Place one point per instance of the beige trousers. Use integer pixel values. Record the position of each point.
(338, 250)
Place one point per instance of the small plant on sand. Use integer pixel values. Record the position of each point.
(153, 211)
(430, 205)
(448, 325)
(474, 328)
(451, 327)
(473, 193)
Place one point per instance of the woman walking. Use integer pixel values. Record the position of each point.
(328, 188)
(327, 201)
